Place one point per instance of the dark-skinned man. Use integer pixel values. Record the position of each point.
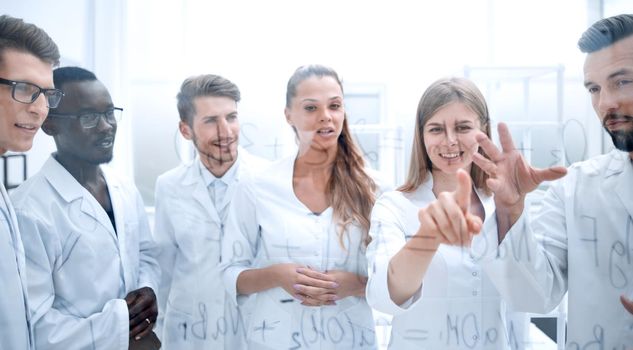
(90, 253)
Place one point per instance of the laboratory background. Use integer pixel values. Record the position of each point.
(521, 54)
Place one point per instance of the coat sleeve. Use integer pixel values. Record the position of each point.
(529, 268)
(388, 236)
(57, 328)
(241, 238)
(167, 247)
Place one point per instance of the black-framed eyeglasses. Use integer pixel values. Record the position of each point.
(25, 92)
(89, 120)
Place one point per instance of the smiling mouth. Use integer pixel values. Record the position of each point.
(105, 142)
(223, 143)
(29, 127)
(451, 156)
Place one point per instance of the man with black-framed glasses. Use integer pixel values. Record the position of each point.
(27, 58)
(84, 226)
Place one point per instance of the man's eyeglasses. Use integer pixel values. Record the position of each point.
(89, 120)
(24, 92)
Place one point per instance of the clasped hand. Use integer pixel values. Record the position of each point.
(143, 311)
(314, 288)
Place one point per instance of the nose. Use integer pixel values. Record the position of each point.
(325, 115)
(451, 137)
(104, 125)
(223, 129)
(607, 102)
(39, 107)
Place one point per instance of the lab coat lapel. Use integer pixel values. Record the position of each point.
(231, 186)
(70, 190)
(117, 199)
(200, 192)
(621, 167)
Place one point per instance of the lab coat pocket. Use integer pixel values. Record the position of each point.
(271, 320)
(183, 330)
(198, 238)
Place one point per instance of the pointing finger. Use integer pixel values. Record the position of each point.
(463, 191)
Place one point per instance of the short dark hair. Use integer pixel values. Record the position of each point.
(203, 85)
(606, 32)
(65, 75)
(26, 37)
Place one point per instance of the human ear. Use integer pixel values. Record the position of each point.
(50, 127)
(185, 130)
(287, 114)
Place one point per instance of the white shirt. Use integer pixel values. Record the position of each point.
(457, 306)
(194, 312)
(217, 186)
(267, 224)
(14, 320)
(581, 242)
(79, 268)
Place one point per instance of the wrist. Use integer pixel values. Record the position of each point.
(423, 244)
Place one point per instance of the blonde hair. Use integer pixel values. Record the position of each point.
(351, 192)
(437, 95)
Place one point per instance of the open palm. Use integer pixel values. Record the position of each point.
(511, 177)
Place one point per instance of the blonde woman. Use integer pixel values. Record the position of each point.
(296, 235)
(422, 272)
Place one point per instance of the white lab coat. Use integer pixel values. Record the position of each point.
(581, 242)
(79, 270)
(457, 306)
(14, 317)
(188, 229)
(268, 225)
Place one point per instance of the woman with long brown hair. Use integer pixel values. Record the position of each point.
(296, 235)
(422, 271)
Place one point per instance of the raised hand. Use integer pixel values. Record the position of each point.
(143, 311)
(448, 219)
(511, 177)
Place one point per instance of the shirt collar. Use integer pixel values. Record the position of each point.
(228, 177)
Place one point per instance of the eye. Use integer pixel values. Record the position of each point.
(232, 117)
(25, 88)
(310, 108)
(435, 130)
(209, 120)
(623, 82)
(90, 117)
(335, 106)
(593, 89)
(464, 128)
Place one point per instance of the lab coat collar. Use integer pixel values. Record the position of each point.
(196, 184)
(194, 177)
(70, 190)
(620, 165)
